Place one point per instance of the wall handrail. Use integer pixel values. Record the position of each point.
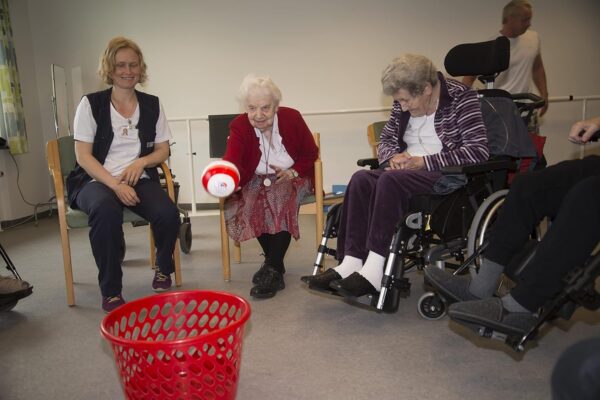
(188, 120)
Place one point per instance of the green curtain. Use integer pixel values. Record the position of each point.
(12, 118)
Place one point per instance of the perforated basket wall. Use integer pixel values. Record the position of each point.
(179, 345)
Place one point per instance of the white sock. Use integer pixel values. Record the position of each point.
(348, 266)
(373, 269)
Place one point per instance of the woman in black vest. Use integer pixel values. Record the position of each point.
(120, 136)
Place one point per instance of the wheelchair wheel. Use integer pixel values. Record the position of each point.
(431, 306)
(185, 237)
(483, 219)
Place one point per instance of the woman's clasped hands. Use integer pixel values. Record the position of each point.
(405, 161)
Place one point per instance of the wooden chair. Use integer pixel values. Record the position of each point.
(61, 160)
(313, 204)
(373, 135)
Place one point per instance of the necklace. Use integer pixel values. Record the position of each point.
(266, 152)
(130, 124)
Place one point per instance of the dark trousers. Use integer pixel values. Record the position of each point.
(105, 213)
(373, 204)
(569, 194)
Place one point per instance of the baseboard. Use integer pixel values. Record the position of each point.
(12, 223)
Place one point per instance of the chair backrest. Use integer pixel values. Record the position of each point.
(66, 150)
(61, 158)
(218, 131)
(374, 135)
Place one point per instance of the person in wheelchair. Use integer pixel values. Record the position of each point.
(435, 122)
(569, 194)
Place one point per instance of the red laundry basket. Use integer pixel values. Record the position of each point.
(179, 345)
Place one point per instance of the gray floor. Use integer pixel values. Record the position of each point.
(297, 345)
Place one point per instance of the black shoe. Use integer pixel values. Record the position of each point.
(269, 283)
(261, 270)
(321, 281)
(354, 285)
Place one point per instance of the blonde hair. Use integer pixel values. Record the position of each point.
(264, 84)
(513, 8)
(107, 60)
(411, 72)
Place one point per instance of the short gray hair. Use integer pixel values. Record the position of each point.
(263, 84)
(411, 72)
(513, 8)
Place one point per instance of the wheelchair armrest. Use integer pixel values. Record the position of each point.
(486, 166)
(372, 163)
(528, 101)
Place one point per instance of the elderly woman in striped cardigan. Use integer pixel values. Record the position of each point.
(435, 122)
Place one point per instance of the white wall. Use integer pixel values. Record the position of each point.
(325, 55)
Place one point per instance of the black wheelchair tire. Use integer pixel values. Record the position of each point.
(185, 237)
(431, 306)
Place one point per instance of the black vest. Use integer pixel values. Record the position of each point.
(100, 105)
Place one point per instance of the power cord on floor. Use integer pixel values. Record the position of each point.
(35, 206)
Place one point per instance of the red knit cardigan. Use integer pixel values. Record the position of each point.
(243, 147)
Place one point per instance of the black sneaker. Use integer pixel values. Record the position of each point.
(269, 283)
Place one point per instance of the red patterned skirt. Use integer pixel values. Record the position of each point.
(258, 209)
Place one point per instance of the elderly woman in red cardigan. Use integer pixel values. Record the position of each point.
(275, 153)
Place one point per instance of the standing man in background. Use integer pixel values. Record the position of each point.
(525, 53)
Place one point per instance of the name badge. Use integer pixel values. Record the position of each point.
(150, 144)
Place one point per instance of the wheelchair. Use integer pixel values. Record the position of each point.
(448, 229)
(579, 291)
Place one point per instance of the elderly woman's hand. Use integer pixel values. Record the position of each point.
(406, 161)
(284, 174)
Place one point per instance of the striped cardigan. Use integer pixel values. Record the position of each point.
(458, 123)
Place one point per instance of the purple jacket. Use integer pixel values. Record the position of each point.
(458, 123)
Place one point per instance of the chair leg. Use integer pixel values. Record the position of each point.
(152, 249)
(224, 244)
(66, 250)
(237, 252)
(177, 261)
(319, 224)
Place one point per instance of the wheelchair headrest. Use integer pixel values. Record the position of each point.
(484, 58)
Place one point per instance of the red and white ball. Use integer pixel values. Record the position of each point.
(220, 178)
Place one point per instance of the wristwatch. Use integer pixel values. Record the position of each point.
(294, 173)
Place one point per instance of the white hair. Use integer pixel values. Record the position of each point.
(262, 84)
